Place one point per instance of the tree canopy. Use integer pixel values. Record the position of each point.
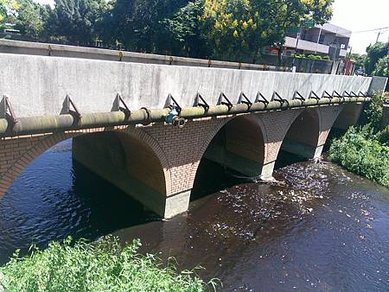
(375, 53)
(225, 29)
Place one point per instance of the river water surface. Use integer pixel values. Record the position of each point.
(319, 228)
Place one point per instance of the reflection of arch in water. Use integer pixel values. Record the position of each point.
(236, 151)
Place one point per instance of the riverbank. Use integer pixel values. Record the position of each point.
(101, 266)
(364, 153)
(364, 150)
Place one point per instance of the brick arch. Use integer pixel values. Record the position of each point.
(29, 148)
(276, 125)
(158, 151)
(328, 117)
(308, 121)
(209, 129)
(215, 129)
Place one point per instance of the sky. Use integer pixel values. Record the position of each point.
(354, 15)
(361, 15)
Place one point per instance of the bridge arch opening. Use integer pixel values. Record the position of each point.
(108, 166)
(236, 154)
(301, 140)
(125, 161)
(349, 115)
(58, 194)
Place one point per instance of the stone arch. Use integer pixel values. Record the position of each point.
(236, 144)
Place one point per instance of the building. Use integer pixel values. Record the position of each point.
(325, 40)
(319, 49)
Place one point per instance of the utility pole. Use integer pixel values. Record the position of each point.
(378, 37)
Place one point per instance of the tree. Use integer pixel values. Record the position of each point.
(374, 54)
(186, 30)
(139, 24)
(358, 60)
(31, 18)
(298, 13)
(77, 21)
(241, 27)
(382, 67)
(8, 11)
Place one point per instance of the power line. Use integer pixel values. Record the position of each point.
(372, 30)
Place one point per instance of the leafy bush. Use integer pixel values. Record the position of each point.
(299, 56)
(101, 266)
(375, 111)
(360, 151)
(314, 57)
(383, 136)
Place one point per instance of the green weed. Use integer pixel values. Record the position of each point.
(100, 266)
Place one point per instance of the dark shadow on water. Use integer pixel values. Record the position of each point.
(211, 177)
(56, 197)
(286, 158)
(111, 208)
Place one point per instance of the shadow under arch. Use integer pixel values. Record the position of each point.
(301, 141)
(350, 114)
(56, 196)
(125, 158)
(127, 162)
(236, 154)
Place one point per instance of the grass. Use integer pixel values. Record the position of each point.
(101, 266)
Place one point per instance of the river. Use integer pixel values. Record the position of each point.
(319, 227)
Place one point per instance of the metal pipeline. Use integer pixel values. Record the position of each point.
(65, 122)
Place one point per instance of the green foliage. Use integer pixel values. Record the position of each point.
(360, 151)
(8, 11)
(383, 136)
(76, 21)
(359, 60)
(139, 24)
(365, 150)
(31, 18)
(382, 67)
(374, 111)
(234, 30)
(102, 266)
(184, 27)
(312, 57)
(374, 54)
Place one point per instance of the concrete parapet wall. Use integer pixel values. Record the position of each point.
(56, 50)
(37, 85)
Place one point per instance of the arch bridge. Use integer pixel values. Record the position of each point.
(239, 119)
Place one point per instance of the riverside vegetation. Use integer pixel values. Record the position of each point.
(100, 266)
(364, 149)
